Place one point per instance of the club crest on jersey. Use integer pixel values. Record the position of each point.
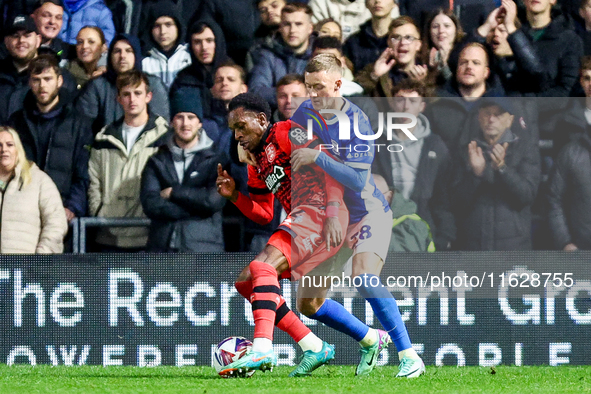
(312, 242)
(298, 136)
(271, 152)
(273, 180)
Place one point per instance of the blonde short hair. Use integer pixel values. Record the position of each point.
(325, 62)
(21, 157)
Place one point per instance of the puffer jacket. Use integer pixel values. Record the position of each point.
(191, 219)
(98, 98)
(115, 179)
(273, 63)
(33, 219)
(569, 195)
(86, 12)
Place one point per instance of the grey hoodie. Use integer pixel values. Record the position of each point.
(406, 163)
(182, 158)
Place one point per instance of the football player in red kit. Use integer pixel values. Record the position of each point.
(310, 235)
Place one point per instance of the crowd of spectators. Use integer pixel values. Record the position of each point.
(120, 106)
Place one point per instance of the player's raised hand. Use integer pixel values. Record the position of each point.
(226, 185)
(333, 232)
(303, 157)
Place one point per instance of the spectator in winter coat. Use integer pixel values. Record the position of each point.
(54, 136)
(472, 80)
(270, 13)
(288, 54)
(48, 17)
(583, 27)
(22, 42)
(168, 54)
(421, 171)
(90, 47)
(350, 15)
(80, 13)
(98, 98)
(117, 159)
(178, 189)
(569, 194)
(33, 217)
(208, 52)
(496, 180)
(574, 120)
(516, 61)
(554, 40)
(365, 46)
(399, 61)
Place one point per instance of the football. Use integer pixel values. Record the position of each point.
(230, 350)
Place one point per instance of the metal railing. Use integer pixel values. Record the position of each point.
(79, 226)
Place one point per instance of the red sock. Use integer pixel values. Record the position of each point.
(288, 321)
(285, 319)
(264, 299)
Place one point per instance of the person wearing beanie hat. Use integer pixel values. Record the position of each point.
(168, 54)
(186, 101)
(98, 98)
(178, 189)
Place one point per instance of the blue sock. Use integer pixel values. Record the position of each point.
(336, 316)
(386, 309)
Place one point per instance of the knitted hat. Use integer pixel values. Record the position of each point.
(186, 100)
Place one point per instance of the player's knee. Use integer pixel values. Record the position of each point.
(309, 306)
(367, 263)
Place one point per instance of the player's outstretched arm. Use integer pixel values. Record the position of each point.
(354, 175)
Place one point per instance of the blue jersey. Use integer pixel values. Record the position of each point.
(353, 151)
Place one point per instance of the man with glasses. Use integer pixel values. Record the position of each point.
(397, 62)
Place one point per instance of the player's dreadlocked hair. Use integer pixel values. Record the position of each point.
(250, 102)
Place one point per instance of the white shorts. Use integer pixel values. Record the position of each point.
(371, 234)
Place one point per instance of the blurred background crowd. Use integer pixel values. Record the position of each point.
(118, 109)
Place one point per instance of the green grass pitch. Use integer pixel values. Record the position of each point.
(330, 379)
